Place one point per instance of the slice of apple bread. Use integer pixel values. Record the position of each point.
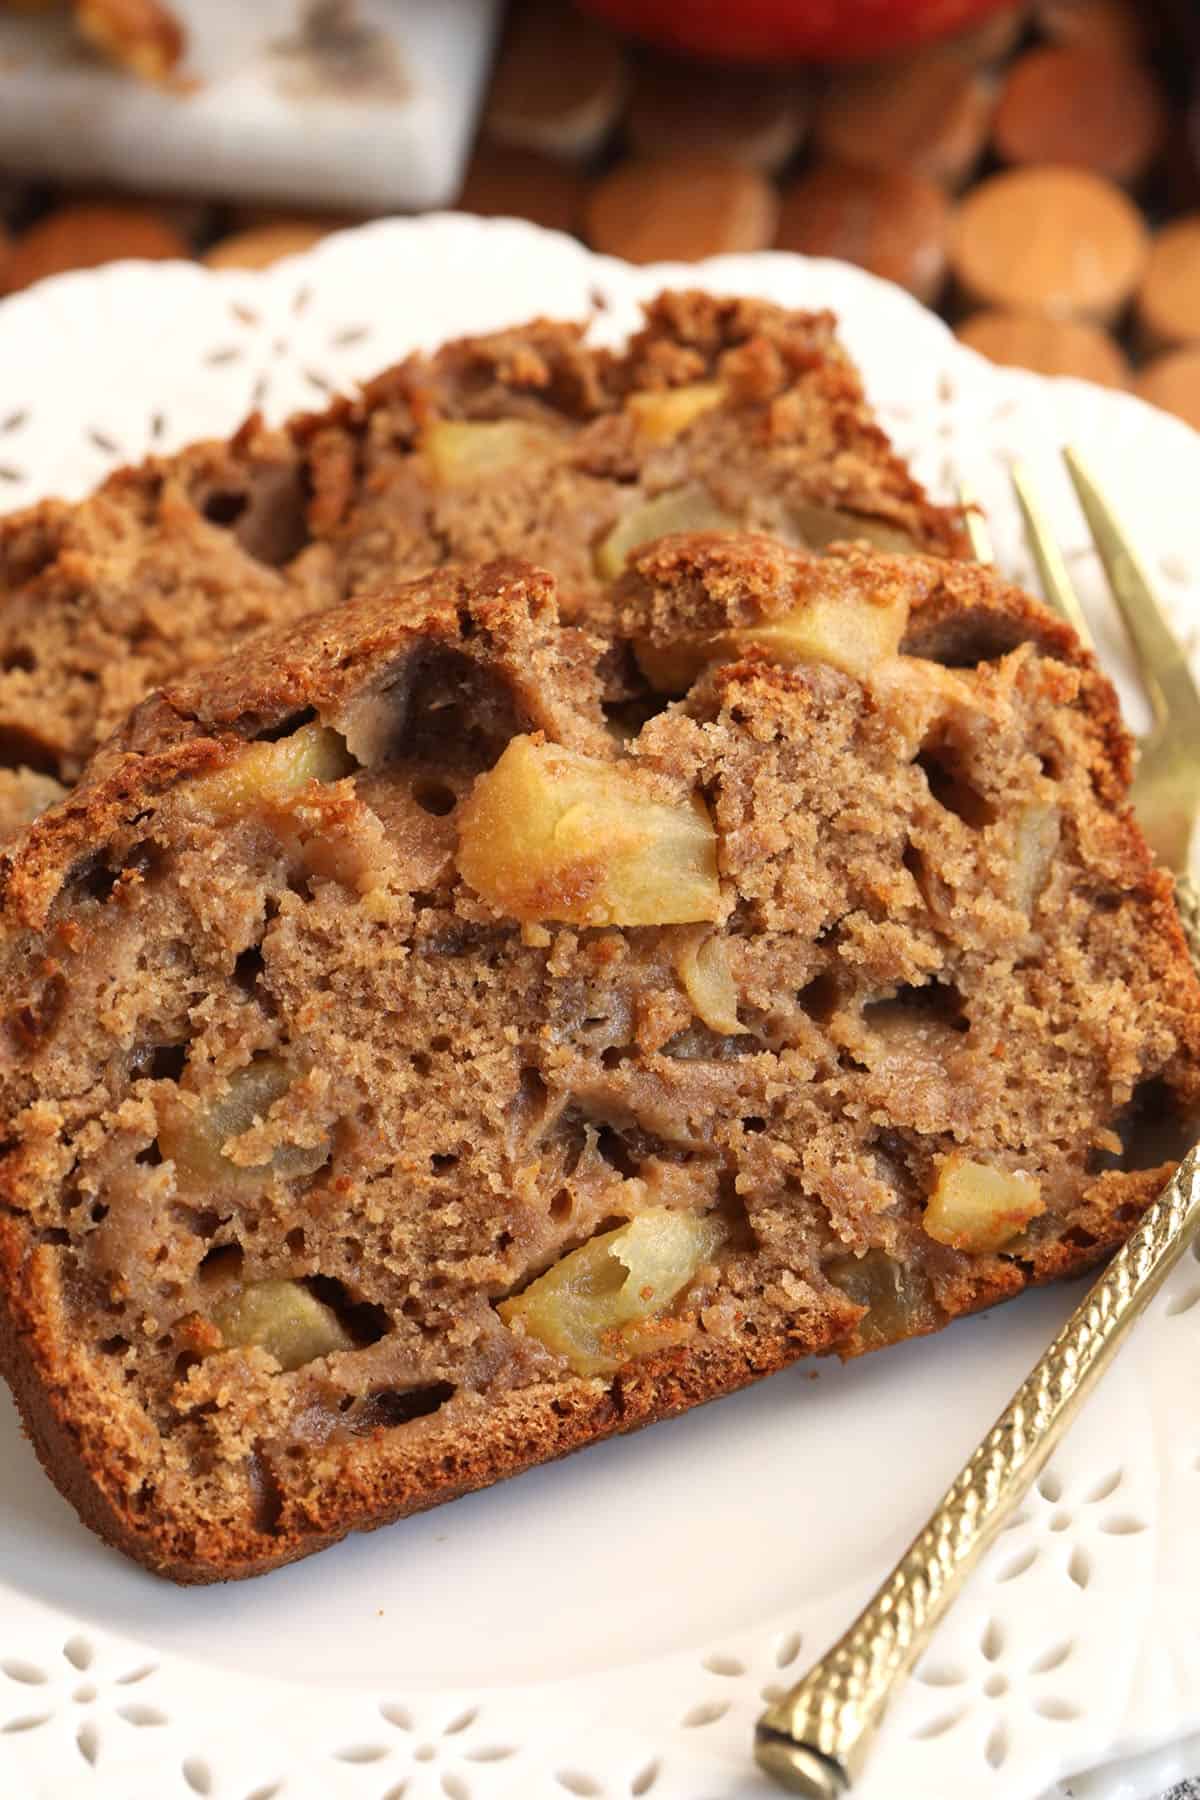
(530, 441)
(440, 1038)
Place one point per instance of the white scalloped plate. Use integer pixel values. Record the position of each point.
(609, 1626)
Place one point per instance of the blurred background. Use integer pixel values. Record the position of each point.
(1032, 171)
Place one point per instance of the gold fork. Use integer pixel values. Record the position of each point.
(815, 1740)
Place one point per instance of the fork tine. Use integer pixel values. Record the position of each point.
(1057, 585)
(976, 524)
(1169, 684)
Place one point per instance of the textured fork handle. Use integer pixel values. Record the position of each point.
(814, 1740)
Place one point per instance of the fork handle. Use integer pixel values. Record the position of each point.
(815, 1739)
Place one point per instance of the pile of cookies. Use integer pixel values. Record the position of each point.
(1033, 179)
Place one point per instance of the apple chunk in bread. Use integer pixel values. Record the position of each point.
(551, 834)
(820, 526)
(896, 1295)
(662, 416)
(600, 1304)
(977, 1208)
(462, 451)
(271, 773)
(284, 1319)
(850, 632)
(1034, 848)
(198, 1138)
(678, 509)
(702, 965)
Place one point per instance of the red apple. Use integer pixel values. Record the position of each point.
(770, 31)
